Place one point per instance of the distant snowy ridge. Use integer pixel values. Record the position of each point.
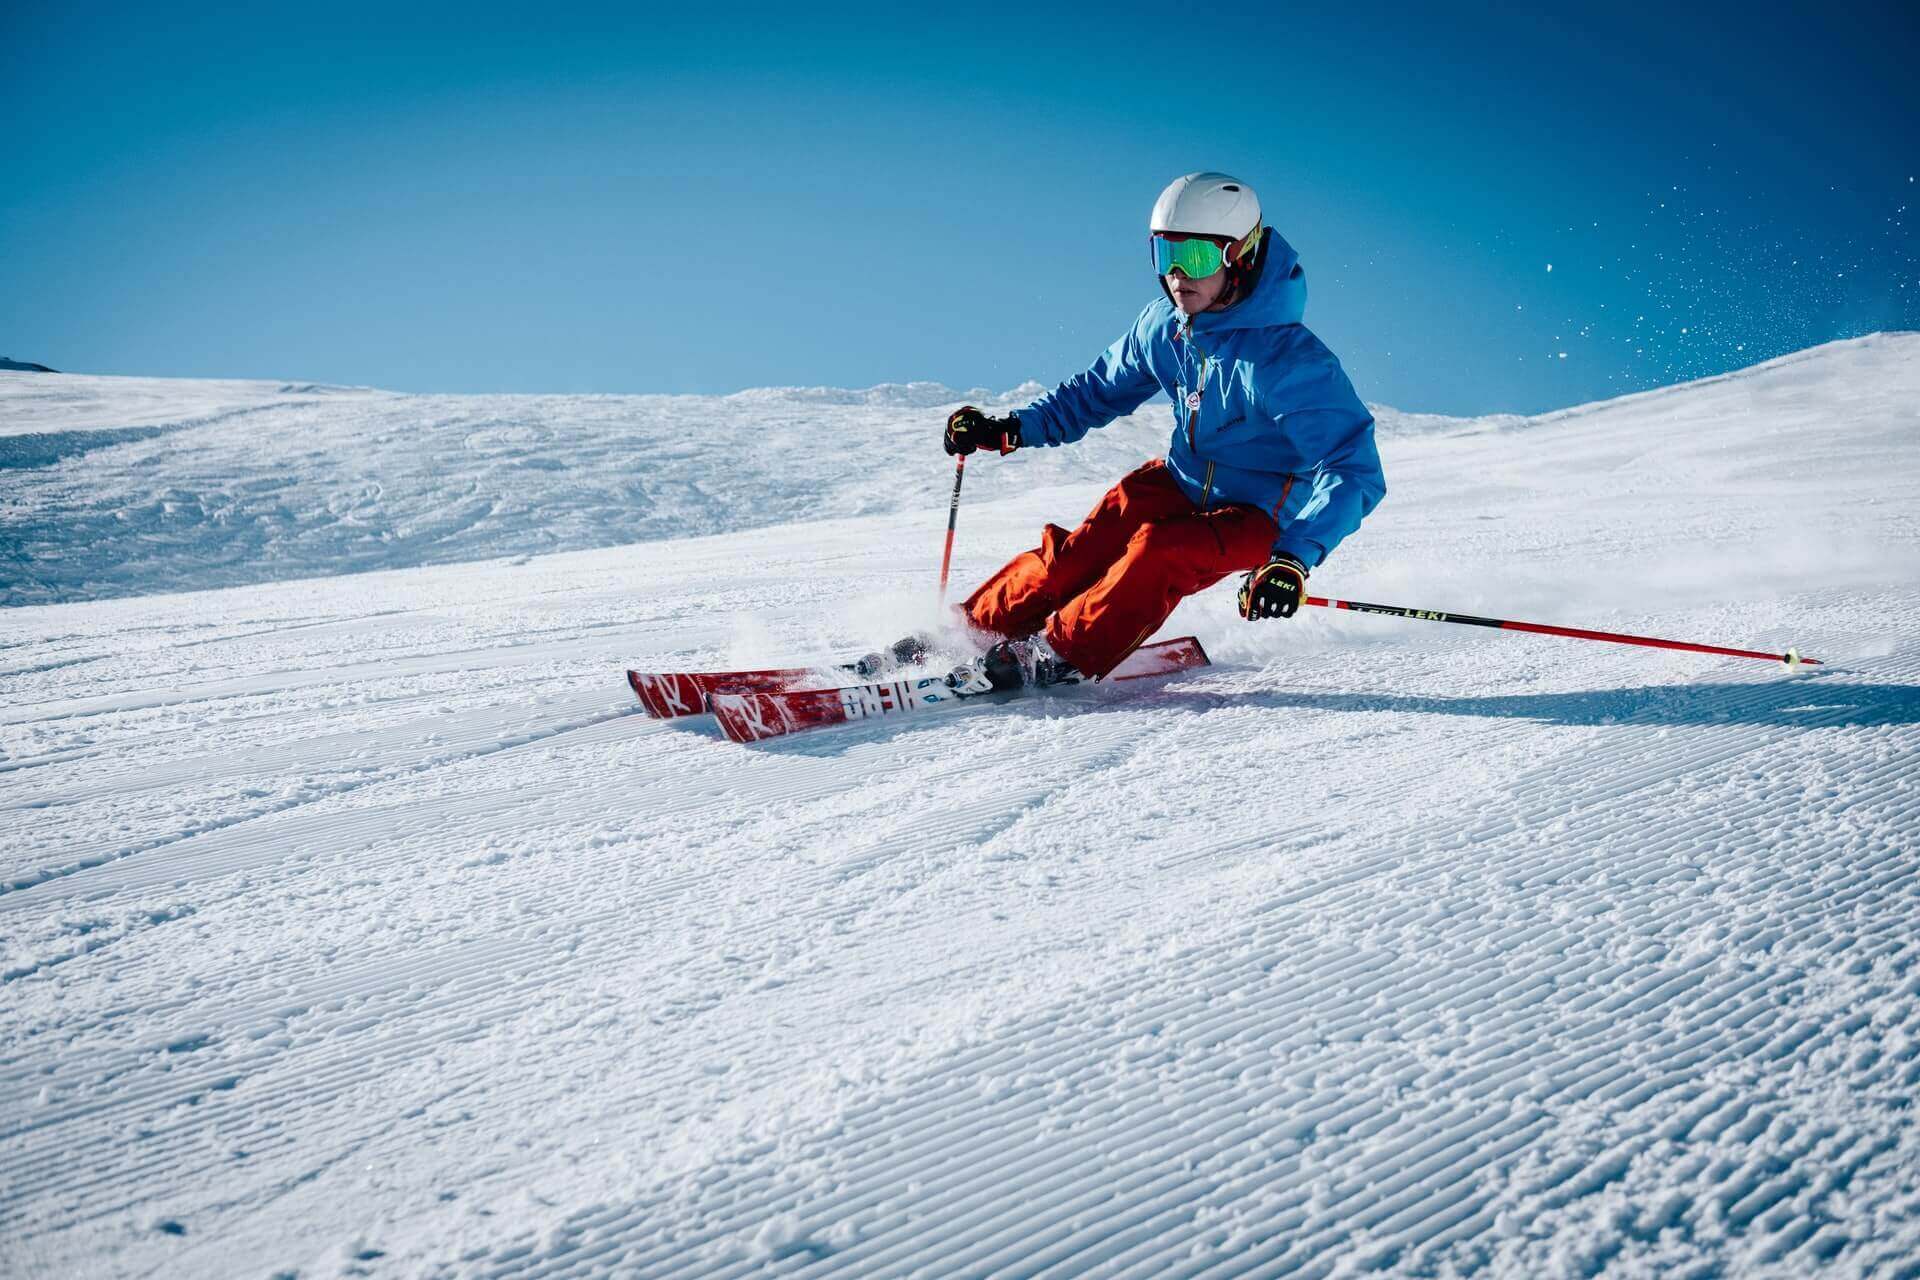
(129, 486)
(899, 395)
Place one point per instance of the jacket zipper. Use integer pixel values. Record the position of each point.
(1285, 489)
(1206, 494)
(1193, 406)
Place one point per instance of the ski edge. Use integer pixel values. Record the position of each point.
(746, 716)
(668, 695)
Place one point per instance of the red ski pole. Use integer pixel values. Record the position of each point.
(953, 518)
(1791, 657)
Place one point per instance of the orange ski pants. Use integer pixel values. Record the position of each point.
(1103, 589)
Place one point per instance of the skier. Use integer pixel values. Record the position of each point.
(1272, 461)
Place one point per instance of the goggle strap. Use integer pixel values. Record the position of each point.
(1240, 250)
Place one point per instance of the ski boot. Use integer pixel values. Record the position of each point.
(1040, 666)
(1013, 664)
(909, 651)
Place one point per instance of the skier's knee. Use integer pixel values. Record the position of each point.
(1139, 482)
(1155, 538)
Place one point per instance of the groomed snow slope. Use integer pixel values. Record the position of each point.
(363, 926)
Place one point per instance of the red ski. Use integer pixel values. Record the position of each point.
(684, 693)
(668, 694)
(751, 716)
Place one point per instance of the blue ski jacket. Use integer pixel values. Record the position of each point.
(1263, 413)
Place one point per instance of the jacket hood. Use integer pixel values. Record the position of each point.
(1279, 294)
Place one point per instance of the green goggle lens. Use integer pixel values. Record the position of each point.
(1196, 258)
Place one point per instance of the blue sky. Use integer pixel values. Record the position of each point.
(589, 198)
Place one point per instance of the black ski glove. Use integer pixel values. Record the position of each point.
(969, 429)
(1274, 590)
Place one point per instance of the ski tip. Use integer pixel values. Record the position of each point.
(746, 717)
(637, 683)
(726, 708)
(1161, 658)
(667, 697)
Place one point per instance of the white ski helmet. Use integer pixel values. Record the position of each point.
(1207, 204)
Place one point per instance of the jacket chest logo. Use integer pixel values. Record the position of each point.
(1193, 399)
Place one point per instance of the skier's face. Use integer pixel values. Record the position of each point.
(1194, 296)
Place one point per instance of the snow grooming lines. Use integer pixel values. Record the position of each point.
(1791, 658)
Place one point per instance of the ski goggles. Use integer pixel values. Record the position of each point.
(1196, 256)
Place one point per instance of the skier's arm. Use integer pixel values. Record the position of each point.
(1118, 383)
(1317, 412)
(1343, 489)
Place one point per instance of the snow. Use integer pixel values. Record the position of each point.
(362, 925)
(129, 486)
